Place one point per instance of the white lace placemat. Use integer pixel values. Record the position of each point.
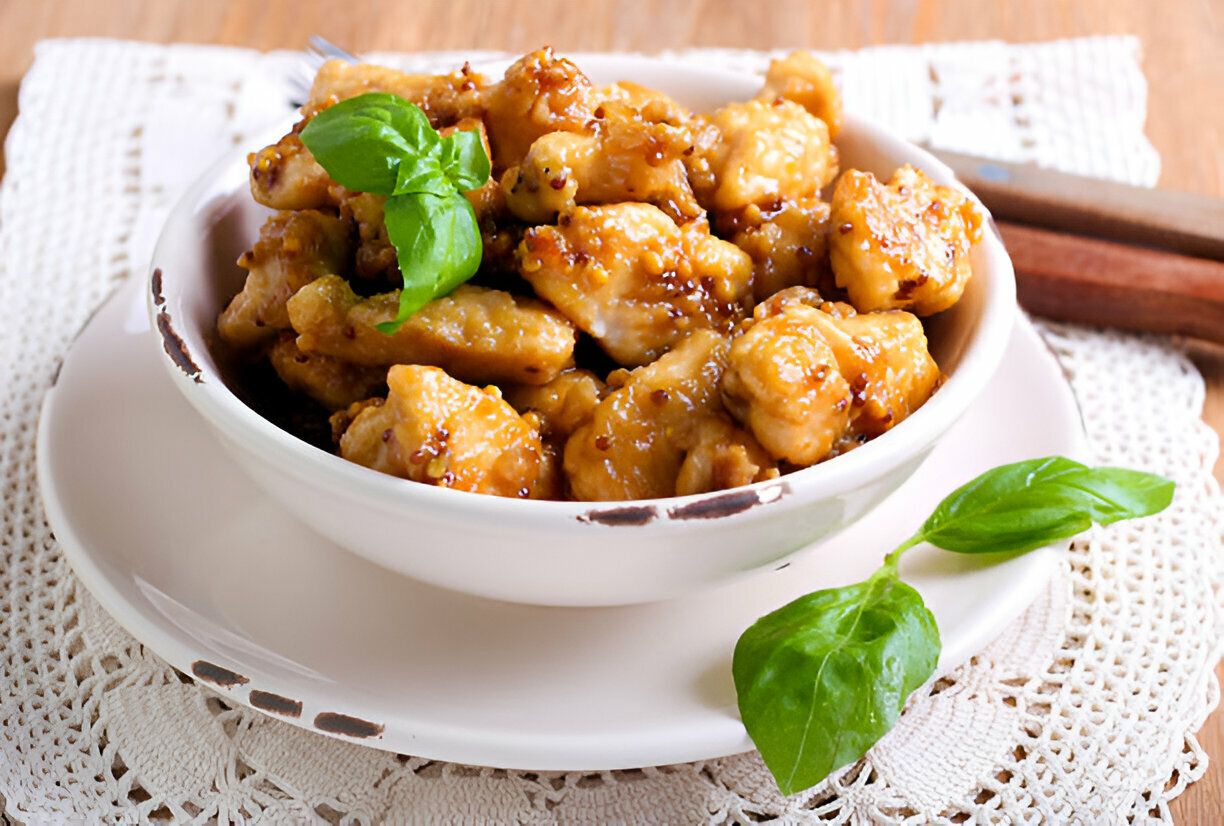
(1084, 710)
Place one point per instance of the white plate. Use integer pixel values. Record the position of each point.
(219, 581)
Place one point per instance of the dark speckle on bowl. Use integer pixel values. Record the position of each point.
(628, 515)
(715, 507)
(216, 674)
(175, 348)
(275, 703)
(155, 283)
(349, 726)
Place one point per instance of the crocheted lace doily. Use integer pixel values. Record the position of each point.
(1083, 710)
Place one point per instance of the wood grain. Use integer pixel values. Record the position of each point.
(1092, 281)
(1182, 59)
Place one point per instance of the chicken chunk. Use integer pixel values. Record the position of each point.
(721, 455)
(812, 378)
(540, 93)
(562, 404)
(640, 436)
(294, 248)
(777, 374)
(652, 105)
(358, 432)
(476, 334)
(802, 78)
(333, 383)
(904, 245)
(286, 176)
(633, 280)
(445, 99)
(624, 158)
(765, 153)
(885, 358)
(789, 247)
(375, 256)
(439, 431)
(556, 409)
(784, 384)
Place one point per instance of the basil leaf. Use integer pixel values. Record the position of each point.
(438, 245)
(820, 680)
(1025, 505)
(465, 161)
(424, 175)
(363, 141)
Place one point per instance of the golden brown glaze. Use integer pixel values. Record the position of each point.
(639, 436)
(901, 245)
(625, 157)
(633, 280)
(477, 334)
(789, 247)
(801, 78)
(294, 248)
(540, 93)
(439, 431)
(766, 153)
(333, 383)
(445, 99)
(286, 176)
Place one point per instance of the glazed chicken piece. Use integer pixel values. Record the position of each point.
(294, 248)
(654, 106)
(439, 431)
(633, 280)
(333, 383)
(556, 409)
(562, 404)
(540, 93)
(802, 78)
(789, 246)
(720, 455)
(625, 157)
(884, 357)
(784, 384)
(286, 176)
(375, 255)
(445, 99)
(765, 153)
(477, 334)
(810, 377)
(904, 245)
(641, 435)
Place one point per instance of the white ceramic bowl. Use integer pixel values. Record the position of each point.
(562, 553)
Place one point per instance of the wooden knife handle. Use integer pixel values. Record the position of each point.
(1088, 280)
(1027, 194)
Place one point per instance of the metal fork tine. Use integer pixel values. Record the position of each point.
(329, 50)
(318, 51)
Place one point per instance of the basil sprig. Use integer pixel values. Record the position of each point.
(382, 144)
(821, 679)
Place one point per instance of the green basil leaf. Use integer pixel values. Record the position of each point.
(820, 680)
(1028, 504)
(424, 175)
(438, 245)
(363, 141)
(465, 161)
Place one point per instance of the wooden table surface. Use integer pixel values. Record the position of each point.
(1183, 59)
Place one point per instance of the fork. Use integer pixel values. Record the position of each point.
(318, 51)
